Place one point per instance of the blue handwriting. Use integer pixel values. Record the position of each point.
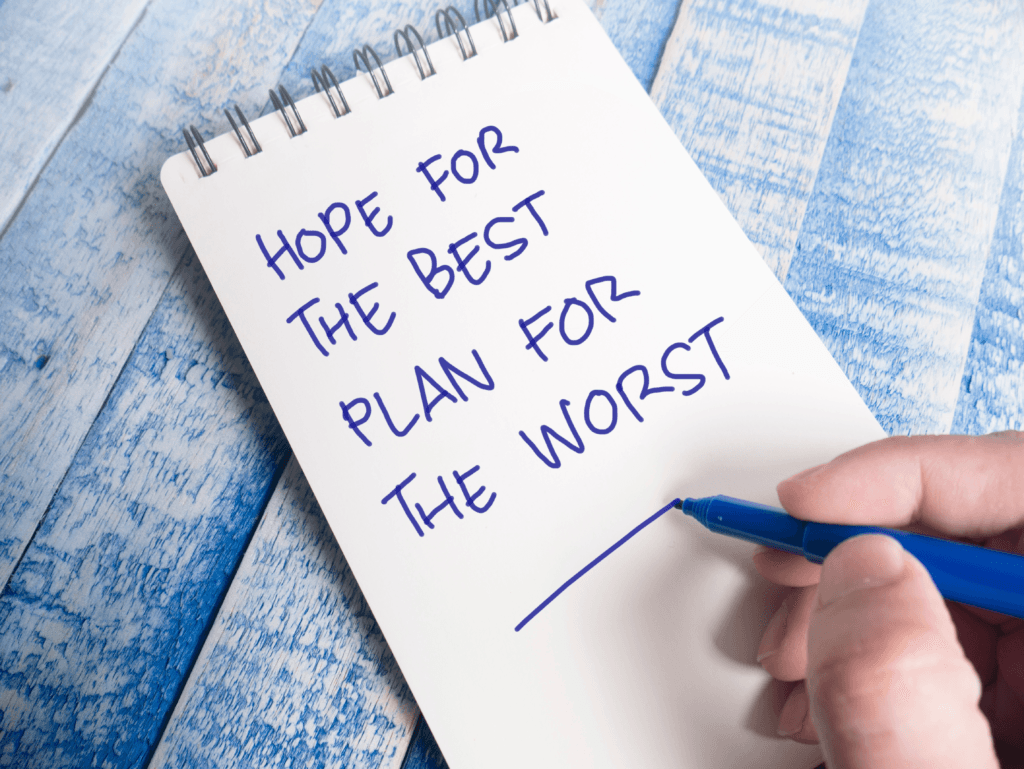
(331, 328)
(447, 500)
(606, 405)
(571, 304)
(357, 412)
(438, 278)
(464, 165)
(309, 246)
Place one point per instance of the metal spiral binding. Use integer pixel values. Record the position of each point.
(325, 79)
(450, 26)
(280, 107)
(491, 8)
(202, 146)
(256, 145)
(403, 34)
(360, 54)
(550, 14)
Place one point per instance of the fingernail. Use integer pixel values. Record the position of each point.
(805, 473)
(771, 641)
(794, 712)
(864, 562)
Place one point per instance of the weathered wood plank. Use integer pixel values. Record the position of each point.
(894, 243)
(295, 671)
(51, 56)
(93, 247)
(105, 612)
(992, 388)
(750, 88)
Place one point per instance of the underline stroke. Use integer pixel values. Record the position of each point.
(565, 585)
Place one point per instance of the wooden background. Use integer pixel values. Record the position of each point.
(171, 594)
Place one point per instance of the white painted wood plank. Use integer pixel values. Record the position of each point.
(91, 250)
(295, 671)
(992, 387)
(894, 243)
(51, 56)
(105, 612)
(750, 88)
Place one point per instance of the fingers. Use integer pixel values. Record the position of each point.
(964, 486)
(783, 649)
(786, 569)
(793, 719)
(888, 684)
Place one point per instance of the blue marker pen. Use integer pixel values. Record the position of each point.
(988, 579)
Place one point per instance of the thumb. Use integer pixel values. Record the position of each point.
(888, 683)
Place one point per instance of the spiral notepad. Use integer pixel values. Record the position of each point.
(504, 322)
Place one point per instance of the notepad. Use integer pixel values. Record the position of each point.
(504, 321)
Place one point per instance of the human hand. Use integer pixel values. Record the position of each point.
(890, 675)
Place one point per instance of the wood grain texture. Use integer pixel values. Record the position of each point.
(750, 87)
(93, 247)
(992, 387)
(892, 253)
(104, 614)
(295, 671)
(51, 57)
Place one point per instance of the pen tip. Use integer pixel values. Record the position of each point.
(688, 505)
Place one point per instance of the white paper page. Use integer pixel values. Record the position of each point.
(647, 660)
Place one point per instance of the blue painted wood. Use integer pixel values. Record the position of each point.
(104, 614)
(892, 253)
(51, 56)
(93, 246)
(750, 87)
(423, 752)
(101, 623)
(295, 671)
(992, 388)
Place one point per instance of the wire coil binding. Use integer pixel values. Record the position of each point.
(403, 34)
(202, 146)
(256, 145)
(450, 26)
(279, 105)
(328, 79)
(360, 55)
(324, 80)
(491, 9)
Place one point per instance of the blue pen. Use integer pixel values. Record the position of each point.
(988, 579)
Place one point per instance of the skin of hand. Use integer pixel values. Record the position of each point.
(887, 673)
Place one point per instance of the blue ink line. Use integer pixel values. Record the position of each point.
(596, 561)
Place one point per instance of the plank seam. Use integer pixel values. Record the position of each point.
(215, 611)
(86, 102)
(211, 619)
(817, 172)
(664, 44)
(78, 449)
